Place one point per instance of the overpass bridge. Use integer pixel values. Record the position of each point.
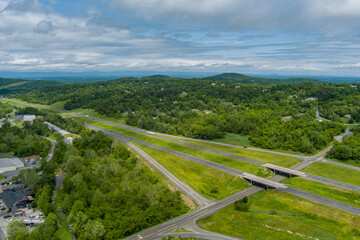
(263, 182)
(287, 172)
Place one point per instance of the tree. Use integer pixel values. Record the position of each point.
(17, 230)
(94, 230)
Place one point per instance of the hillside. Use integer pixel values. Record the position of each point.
(8, 86)
(240, 78)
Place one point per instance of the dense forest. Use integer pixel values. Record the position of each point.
(4, 109)
(25, 141)
(108, 193)
(349, 149)
(107, 188)
(274, 116)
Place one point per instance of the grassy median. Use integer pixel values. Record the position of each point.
(331, 192)
(339, 173)
(209, 182)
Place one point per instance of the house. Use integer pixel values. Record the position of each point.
(310, 99)
(347, 116)
(237, 87)
(207, 111)
(354, 86)
(213, 84)
(17, 198)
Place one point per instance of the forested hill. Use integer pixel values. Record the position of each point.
(240, 78)
(6, 81)
(8, 86)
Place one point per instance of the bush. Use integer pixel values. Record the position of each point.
(242, 205)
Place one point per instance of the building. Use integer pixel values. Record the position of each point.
(17, 198)
(10, 164)
(26, 118)
(310, 99)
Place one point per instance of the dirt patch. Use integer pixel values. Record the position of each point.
(208, 224)
(190, 203)
(339, 189)
(147, 164)
(288, 231)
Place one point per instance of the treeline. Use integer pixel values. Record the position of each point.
(65, 123)
(349, 149)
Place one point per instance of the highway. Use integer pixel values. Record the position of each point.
(222, 167)
(170, 137)
(211, 208)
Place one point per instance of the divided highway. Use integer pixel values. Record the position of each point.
(208, 207)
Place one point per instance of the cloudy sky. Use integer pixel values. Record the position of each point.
(303, 37)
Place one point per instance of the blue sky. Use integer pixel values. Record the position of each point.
(299, 37)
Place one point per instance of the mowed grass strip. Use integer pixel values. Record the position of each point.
(266, 157)
(339, 173)
(278, 215)
(331, 192)
(209, 182)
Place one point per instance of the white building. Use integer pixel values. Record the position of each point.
(26, 118)
(10, 164)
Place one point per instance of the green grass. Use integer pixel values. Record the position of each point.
(349, 162)
(331, 192)
(18, 122)
(93, 113)
(2, 177)
(335, 172)
(63, 232)
(209, 182)
(266, 157)
(277, 215)
(235, 139)
(58, 105)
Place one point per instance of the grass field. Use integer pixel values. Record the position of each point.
(209, 182)
(335, 172)
(235, 139)
(331, 192)
(277, 215)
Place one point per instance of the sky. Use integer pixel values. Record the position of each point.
(291, 37)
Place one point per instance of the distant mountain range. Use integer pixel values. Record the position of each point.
(8, 85)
